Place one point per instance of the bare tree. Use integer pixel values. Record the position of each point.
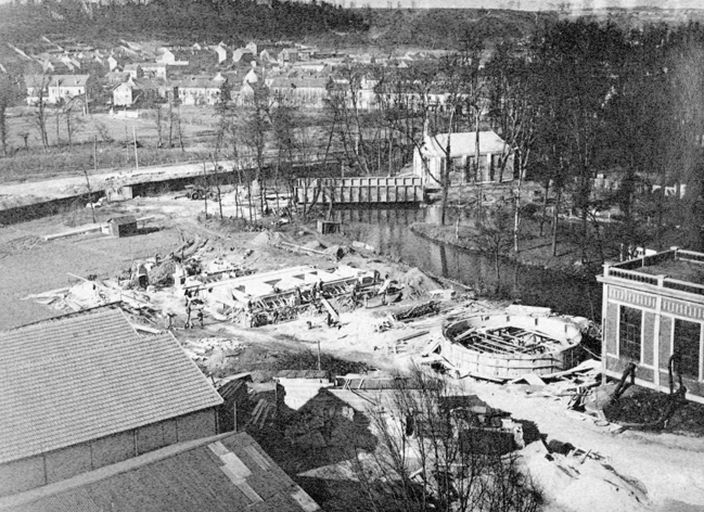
(426, 105)
(255, 125)
(430, 458)
(343, 103)
(6, 97)
(494, 233)
(515, 111)
(40, 113)
(73, 123)
(158, 121)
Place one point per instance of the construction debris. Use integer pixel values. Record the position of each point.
(582, 480)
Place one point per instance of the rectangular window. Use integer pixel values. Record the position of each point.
(686, 342)
(629, 332)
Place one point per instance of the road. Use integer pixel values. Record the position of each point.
(26, 193)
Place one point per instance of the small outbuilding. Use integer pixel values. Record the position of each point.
(125, 225)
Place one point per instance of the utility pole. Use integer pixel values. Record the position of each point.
(127, 147)
(205, 190)
(95, 153)
(134, 141)
(318, 354)
(90, 192)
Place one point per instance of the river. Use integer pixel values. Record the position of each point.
(388, 230)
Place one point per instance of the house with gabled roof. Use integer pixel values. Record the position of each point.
(112, 63)
(199, 89)
(85, 390)
(138, 91)
(495, 158)
(221, 473)
(288, 56)
(172, 58)
(148, 69)
(305, 91)
(55, 88)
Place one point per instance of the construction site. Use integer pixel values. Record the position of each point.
(310, 336)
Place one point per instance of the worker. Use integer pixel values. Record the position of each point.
(189, 322)
(385, 285)
(355, 293)
(248, 314)
(200, 317)
(384, 289)
(170, 320)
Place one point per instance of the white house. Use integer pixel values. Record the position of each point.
(221, 52)
(148, 69)
(55, 88)
(495, 158)
(169, 58)
(138, 91)
(288, 56)
(304, 92)
(199, 90)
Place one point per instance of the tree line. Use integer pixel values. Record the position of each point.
(579, 99)
(204, 20)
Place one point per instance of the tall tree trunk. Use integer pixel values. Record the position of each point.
(171, 124)
(517, 210)
(543, 214)
(58, 118)
(69, 128)
(180, 132)
(477, 180)
(3, 127)
(159, 141)
(555, 219)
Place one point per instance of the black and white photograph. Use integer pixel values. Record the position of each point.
(351, 255)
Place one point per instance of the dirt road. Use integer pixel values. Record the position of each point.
(25, 193)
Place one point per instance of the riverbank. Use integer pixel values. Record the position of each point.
(534, 251)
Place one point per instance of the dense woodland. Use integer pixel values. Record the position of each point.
(201, 20)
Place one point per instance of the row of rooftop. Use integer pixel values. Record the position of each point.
(135, 74)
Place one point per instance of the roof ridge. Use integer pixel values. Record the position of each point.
(111, 470)
(111, 306)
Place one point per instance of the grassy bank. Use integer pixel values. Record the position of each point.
(534, 249)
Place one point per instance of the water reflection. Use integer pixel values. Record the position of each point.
(387, 229)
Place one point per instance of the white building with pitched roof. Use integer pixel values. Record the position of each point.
(495, 158)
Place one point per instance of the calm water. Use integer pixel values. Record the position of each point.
(388, 231)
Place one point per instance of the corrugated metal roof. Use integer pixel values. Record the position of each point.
(80, 377)
(218, 474)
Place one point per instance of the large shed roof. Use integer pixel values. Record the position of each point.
(217, 474)
(84, 376)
